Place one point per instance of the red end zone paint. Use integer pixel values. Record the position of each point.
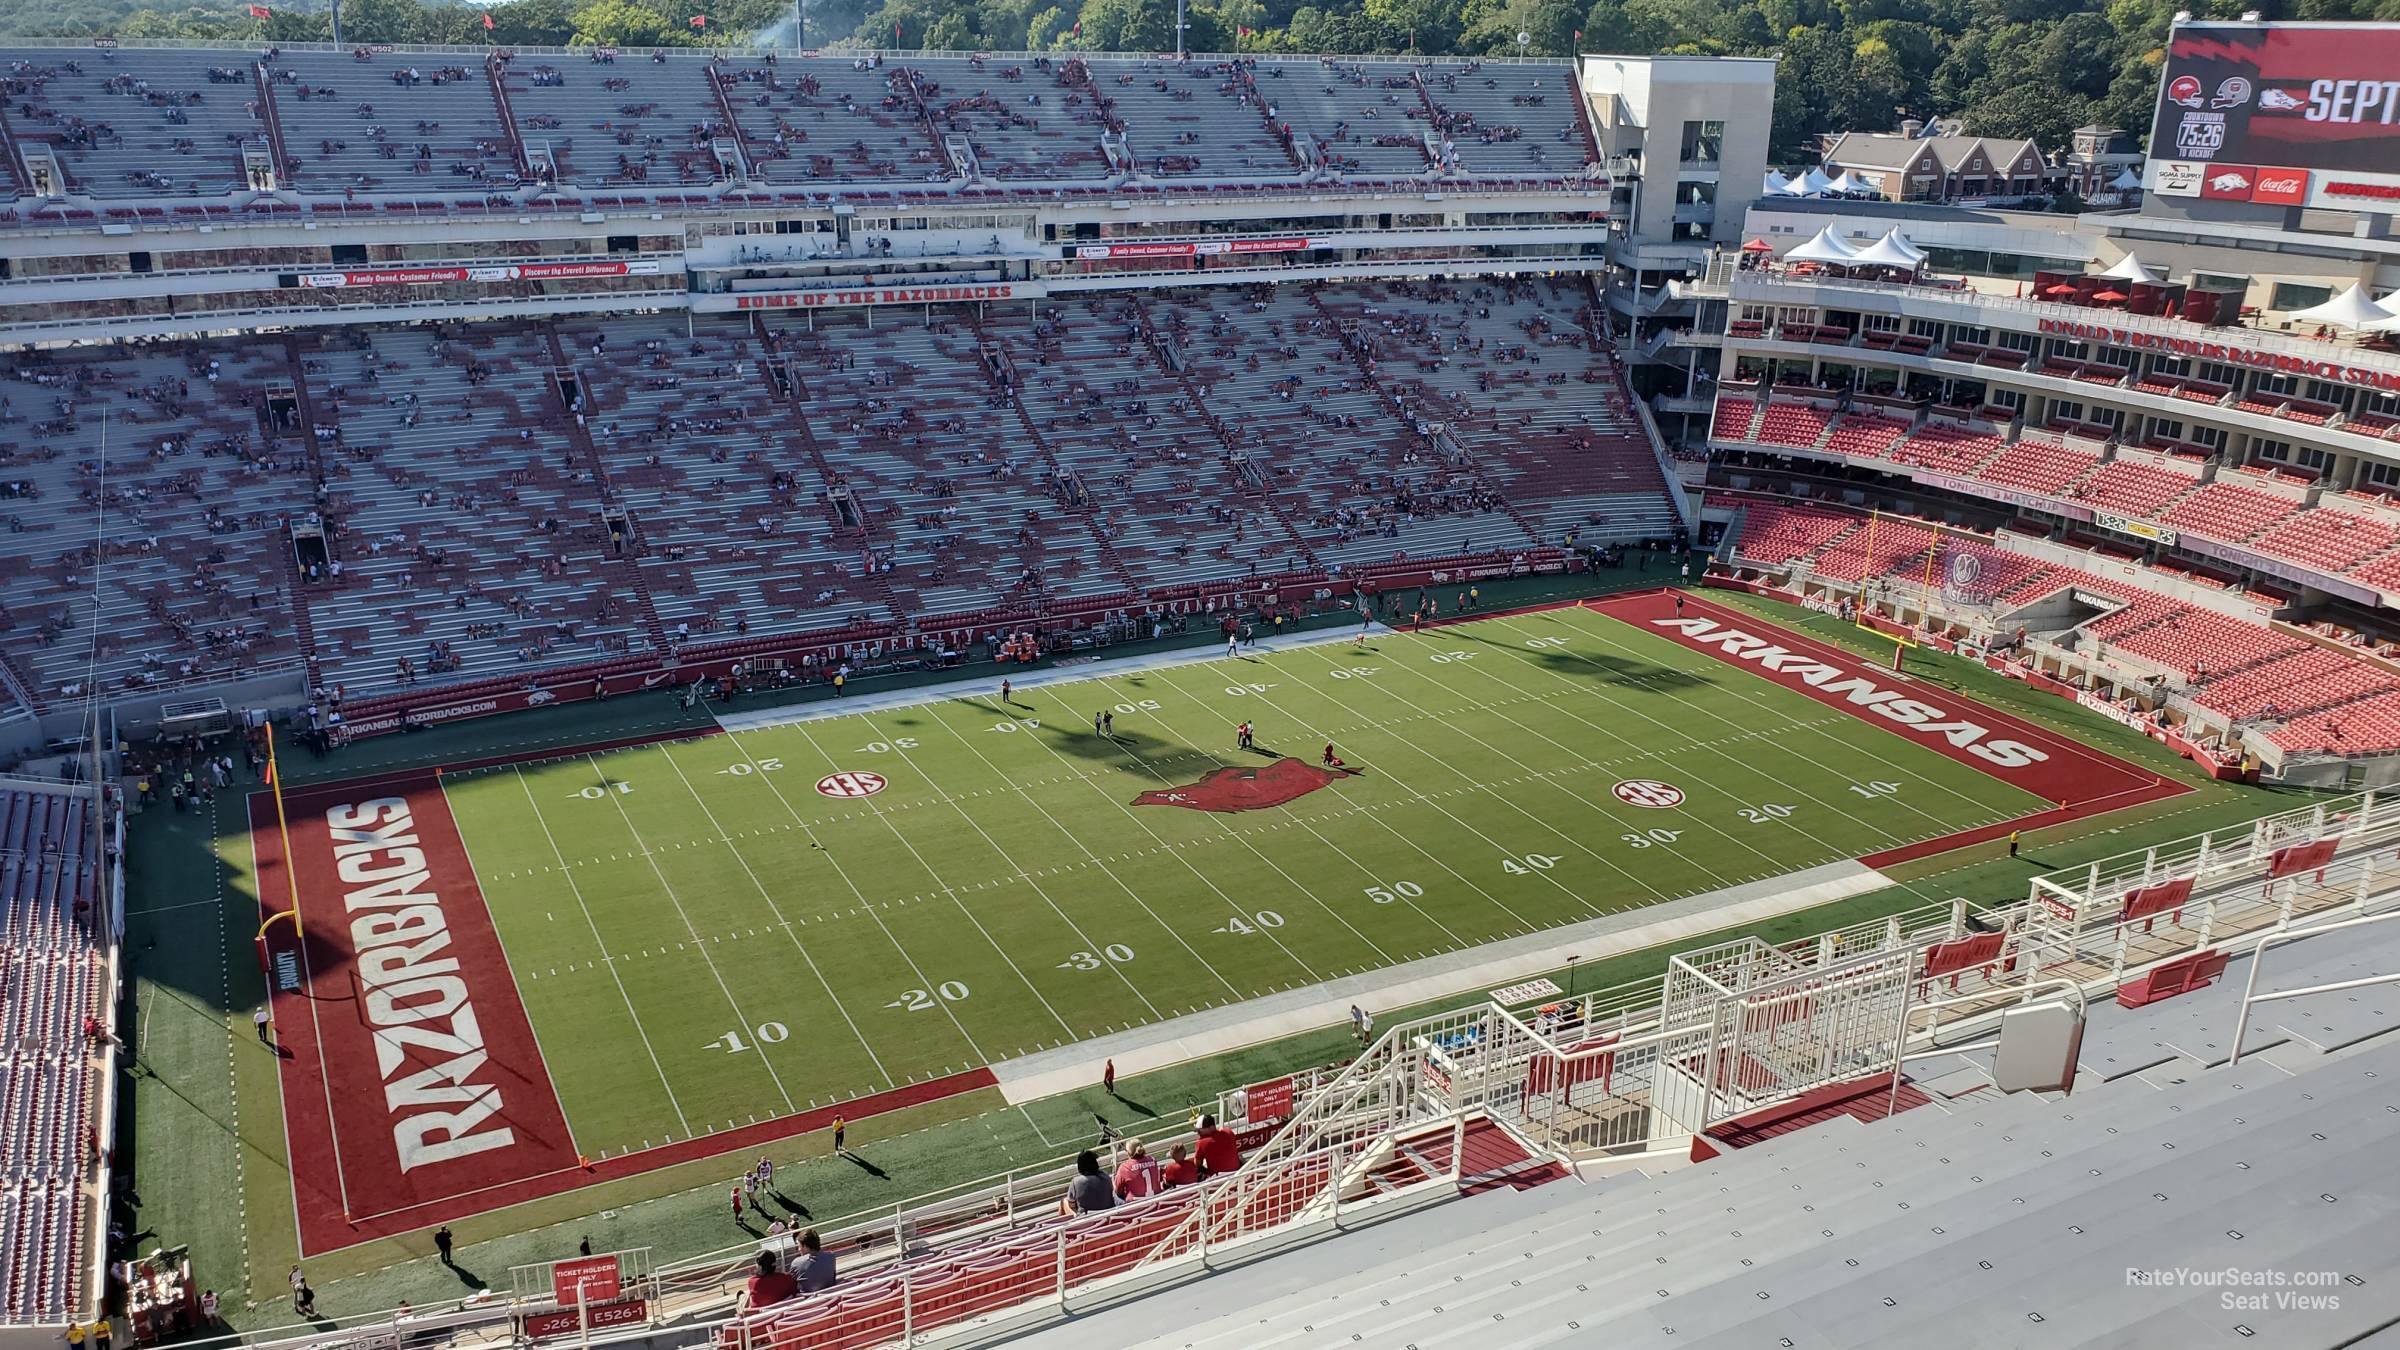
(2082, 780)
(414, 1092)
(411, 1074)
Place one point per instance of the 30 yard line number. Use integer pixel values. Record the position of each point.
(1115, 953)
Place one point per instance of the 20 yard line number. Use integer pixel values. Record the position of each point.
(922, 1000)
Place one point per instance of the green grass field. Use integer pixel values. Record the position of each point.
(702, 939)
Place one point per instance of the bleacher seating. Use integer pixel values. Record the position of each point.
(1865, 435)
(2328, 540)
(2136, 488)
(514, 496)
(138, 124)
(1731, 419)
(370, 122)
(53, 976)
(1774, 533)
(2369, 726)
(618, 121)
(391, 129)
(2228, 511)
(1948, 449)
(1800, 425)
(2035, 465)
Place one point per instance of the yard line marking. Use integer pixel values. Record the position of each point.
(1372, 874)
(783, 923)
(458, 824)
(1487, 789)
(675, 899)
(1227, 831)
(1095, 860)
(1234, 906)
(1637, 750)
(906, 841)
(1038, 889)
(1861, 745)
(597, 941)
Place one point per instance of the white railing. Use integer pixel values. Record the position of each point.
(2258, 954)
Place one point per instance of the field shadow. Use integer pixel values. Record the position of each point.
(1079, 741)
(867, 1167)
(1601, 668)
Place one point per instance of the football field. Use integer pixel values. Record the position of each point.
(693, 940)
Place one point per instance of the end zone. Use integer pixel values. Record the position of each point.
(2081, 781)
(414, 1089)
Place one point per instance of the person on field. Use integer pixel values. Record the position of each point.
(441, 1245)
(1332, 760)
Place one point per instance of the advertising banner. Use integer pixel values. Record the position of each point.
(2313, 107)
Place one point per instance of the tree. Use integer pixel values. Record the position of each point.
(622, 23)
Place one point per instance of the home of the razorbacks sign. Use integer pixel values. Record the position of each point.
(877, 295)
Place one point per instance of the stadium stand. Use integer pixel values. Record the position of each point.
(54, 990)
(2305, 692)
(509, 496)
(389, 129)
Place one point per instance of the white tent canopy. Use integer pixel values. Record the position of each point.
(1777, 184)
(1903, 243)
(1827, 247)
(1845, 183)
(1889, 251)
(1811, 183)
(2125, 181)
(2130, 268)
(2353, 308)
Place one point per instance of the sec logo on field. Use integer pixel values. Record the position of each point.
(851, 784)
(1648, 792)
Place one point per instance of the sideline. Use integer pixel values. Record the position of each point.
(1214, 1032)
(1067, 671)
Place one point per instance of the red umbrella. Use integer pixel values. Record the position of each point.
(2058, 288)
(1758, 246)
(2109, 297)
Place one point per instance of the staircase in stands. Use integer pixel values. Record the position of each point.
(1216, 426)
(1366, 367)
(580, 436)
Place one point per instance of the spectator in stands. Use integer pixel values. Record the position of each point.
(1138, 1176)
(816, 1264)
(1090, 1191)
(1179, 1171)
(770, 1285)
(1218, 1151)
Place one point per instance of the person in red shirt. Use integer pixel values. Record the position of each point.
(771, 1286)
(1179, 1171)
(1216, 1148)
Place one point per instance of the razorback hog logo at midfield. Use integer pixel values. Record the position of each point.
(1859, 691)
(1241, 787)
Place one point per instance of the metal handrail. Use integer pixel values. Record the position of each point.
(2258, 951)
